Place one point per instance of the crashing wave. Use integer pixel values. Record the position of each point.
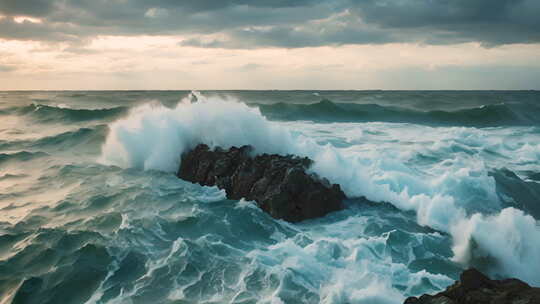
(153, 137)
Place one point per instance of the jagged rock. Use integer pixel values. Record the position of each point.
(279, 184)
(475, 288)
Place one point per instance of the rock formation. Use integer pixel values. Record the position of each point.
(475, 288)
(279, 184)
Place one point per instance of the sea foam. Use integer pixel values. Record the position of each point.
(152, 137)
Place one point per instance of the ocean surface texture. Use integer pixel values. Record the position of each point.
(91, 211)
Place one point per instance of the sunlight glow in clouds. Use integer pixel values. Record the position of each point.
(159, 62)
(21, 19)
(156, 12)
(337, 44)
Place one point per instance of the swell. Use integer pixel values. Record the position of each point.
(21, 156)
(71, 265)
(66, 140)
(46, 114)
(328, 111)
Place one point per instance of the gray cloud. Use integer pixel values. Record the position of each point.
(290, 37)
(280, 23)
(447, 21)
(6, 68)
(9, 29)
(26, 7)
(338, 29)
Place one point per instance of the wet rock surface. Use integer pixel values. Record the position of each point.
(279, 184)
(474, 287)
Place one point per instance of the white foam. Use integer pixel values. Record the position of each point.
(153, 136)
(443, 194)
(511, 237)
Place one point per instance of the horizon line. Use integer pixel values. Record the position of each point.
(282, 90)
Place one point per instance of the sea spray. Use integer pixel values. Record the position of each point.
(510, 239)
(153, 137)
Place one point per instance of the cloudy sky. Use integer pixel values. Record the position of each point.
(269, 44)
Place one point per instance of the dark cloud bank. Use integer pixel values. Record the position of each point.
(279, 23)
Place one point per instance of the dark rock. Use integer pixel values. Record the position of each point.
(474, 287)
(279, 184)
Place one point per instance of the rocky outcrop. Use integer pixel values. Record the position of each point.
(475, 288)
(279, 184)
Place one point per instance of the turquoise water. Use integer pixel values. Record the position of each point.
(91, 211)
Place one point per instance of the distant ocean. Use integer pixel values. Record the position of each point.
(91, 210)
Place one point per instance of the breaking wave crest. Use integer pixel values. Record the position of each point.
(328, 111)
(152, 137)
(48, 113)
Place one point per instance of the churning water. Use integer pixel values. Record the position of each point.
(91, 211)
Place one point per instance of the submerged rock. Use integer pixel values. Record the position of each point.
(474, 287)
(279, 184)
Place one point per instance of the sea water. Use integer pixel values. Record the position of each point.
(437, 181)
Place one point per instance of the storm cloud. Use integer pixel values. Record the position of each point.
(244, 24)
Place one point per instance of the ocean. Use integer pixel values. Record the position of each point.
(91, 210)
